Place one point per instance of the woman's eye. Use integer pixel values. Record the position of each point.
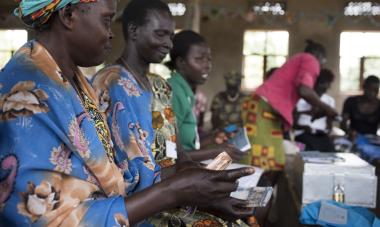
(160, 34)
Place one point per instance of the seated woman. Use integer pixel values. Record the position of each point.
(361, 118)
(58, 166)
(190, 62)
(225, 106)
(361, 114)
(125, 91)
(314, 133)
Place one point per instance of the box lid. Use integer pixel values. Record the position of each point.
(318, 162)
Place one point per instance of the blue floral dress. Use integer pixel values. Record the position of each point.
(129, 110)
(56, 167)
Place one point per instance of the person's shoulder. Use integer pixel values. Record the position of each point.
(106, 76)
(158, 83)
(109, 70)
(351, 101)
(353, 98)
(174, 83)
(155, 78)
(304, 57)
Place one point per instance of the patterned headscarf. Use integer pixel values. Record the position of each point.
(37, 12)
(233, 78)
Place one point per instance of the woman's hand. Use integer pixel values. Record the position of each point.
(229, 209)
(198, 186)
(220, 137)
(181, 166)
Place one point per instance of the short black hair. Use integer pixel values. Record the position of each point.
(315, 48)
(325, 75)
(372, 79)
(136, 12)
(182, 41)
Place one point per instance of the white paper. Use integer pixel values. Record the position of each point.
(171, 149)
(332, 214)
(241, 141)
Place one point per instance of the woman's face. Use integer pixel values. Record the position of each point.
(91, 34)
(197, 64)
(154, 38)
(371, 90)
(322, 87)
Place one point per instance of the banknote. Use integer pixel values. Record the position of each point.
(259, 196)
(221, 162)
(256, 196)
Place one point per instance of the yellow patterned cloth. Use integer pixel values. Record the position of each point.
(265, 134)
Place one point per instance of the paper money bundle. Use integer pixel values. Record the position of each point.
(256, 196)
(247, 190)
(221, 162)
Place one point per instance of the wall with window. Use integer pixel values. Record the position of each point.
(359, 58)
(11, 40)
(226, 37)
(263, 51)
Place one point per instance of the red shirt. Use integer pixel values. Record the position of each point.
(280, 90)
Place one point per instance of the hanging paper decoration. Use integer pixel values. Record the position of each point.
(362, 9)
(276, 8)
(271, 12)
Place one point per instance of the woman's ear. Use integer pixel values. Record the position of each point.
(66, 16)
(132, 31)
(179, 63)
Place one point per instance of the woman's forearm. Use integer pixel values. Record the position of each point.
(150, 201)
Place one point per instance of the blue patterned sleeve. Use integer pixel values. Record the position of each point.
(49, 158)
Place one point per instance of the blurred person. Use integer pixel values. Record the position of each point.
(127, 95)
(190, 64)
(269, 73)
(269, 109)
(58, 164)
(225, 106)
(315, 133)
(361, 114)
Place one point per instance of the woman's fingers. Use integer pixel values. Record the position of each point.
(234, 174)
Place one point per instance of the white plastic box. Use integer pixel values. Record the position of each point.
(317, 175)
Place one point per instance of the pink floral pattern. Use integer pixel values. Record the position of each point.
(60, 157)
(9, 165)
(129, 87)
(79, 141)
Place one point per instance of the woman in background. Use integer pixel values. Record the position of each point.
(269, 109)
(225, 107)
(361, 114)
(190, 64)
(125, 92)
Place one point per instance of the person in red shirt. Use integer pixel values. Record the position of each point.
(268, 110)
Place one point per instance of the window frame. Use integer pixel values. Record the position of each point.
(264, 56)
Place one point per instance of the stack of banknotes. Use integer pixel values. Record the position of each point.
(247, 189)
